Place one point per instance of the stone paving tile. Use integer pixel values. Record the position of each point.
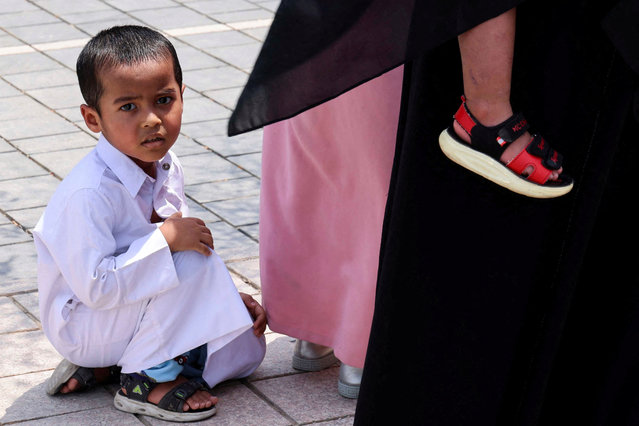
(60, 142)
(63, 7)
(193, 59)
(67, 57)
(24, 345)
(15, 165)
(252, 163)
(18, 268)
(29, 301)
(224, 190)
(226, 97)
(47, 33)
(217, 39)
(213, 79)
(6, 90)
(231, 243)
(201, 109)
(11, 234)
(13, 319)
(96, 26)
(47, 123)
(237, 406)
(248, 269)
(242, 56)
(278, 359)
(59, 96)
(26, 62)
(16, 6)
(218, 6)
(22, 397)
(308, 397)
(253, 231)
(26, 217)
(242, 15)
(13, 194)
(208, 167)
(171, 17)
(196, 210)
(99, 416)
(31, 17)
(239, 211)
(43, 79)
(61, 162)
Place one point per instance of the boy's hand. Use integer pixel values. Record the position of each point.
(187, 233)
(257, 313)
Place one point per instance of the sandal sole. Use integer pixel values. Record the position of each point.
(314, 364)
(494, 170)
(60, 376)
(127, 405)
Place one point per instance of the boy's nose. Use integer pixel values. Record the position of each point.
(151, 119)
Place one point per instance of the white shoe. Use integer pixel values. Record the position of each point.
(349, 380)
(312, 357)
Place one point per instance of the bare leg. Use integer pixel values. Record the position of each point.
(487, 60)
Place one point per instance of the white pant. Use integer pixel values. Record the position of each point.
(204, 308)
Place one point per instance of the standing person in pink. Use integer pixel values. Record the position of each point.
(325, 177)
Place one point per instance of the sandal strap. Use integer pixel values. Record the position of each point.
(137, 386)
(85, 378)
(540, 157)
(538, 147)
(174, 399)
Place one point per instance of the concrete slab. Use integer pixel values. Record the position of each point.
(22, 397)
(239, 211)
(24, 345)
(224, 190)
(308, 397)
(11, 234)
(13, 318)
(18, 268)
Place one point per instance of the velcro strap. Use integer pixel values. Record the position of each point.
(513, 128)
(463, 117)
(551, 159)
(175, 398)
(137, 387)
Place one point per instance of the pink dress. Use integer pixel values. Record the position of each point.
(325, 178)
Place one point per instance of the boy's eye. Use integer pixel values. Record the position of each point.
(164, 100)
(127, 107)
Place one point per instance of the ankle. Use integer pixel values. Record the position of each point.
(489, 112)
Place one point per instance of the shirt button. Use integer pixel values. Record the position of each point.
(166, 166)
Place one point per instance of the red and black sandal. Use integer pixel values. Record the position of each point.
(482, 155)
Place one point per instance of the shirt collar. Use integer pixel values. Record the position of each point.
(129, 173)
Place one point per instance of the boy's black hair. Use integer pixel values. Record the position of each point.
(116, 46)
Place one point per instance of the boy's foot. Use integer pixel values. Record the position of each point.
(512, 150)
(180, 400)
(68, 378)
(504, 152)
(199, 400)
(101, 375)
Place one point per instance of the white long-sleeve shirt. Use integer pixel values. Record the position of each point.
(95, 242)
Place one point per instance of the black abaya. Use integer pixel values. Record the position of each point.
(491, 308)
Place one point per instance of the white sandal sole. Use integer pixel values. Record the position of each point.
(495, 171)
(128, 405)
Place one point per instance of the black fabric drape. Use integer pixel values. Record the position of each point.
(491, 308)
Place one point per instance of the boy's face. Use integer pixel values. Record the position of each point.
(140, 110)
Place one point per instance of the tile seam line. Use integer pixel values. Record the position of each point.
(175, 32)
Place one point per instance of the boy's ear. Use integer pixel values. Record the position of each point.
(91, 118)
(182, 92)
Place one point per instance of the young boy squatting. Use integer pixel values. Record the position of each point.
(124, 276)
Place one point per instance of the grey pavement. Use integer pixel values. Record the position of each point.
(42, 136)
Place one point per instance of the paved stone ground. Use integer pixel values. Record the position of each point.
(42, 136)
